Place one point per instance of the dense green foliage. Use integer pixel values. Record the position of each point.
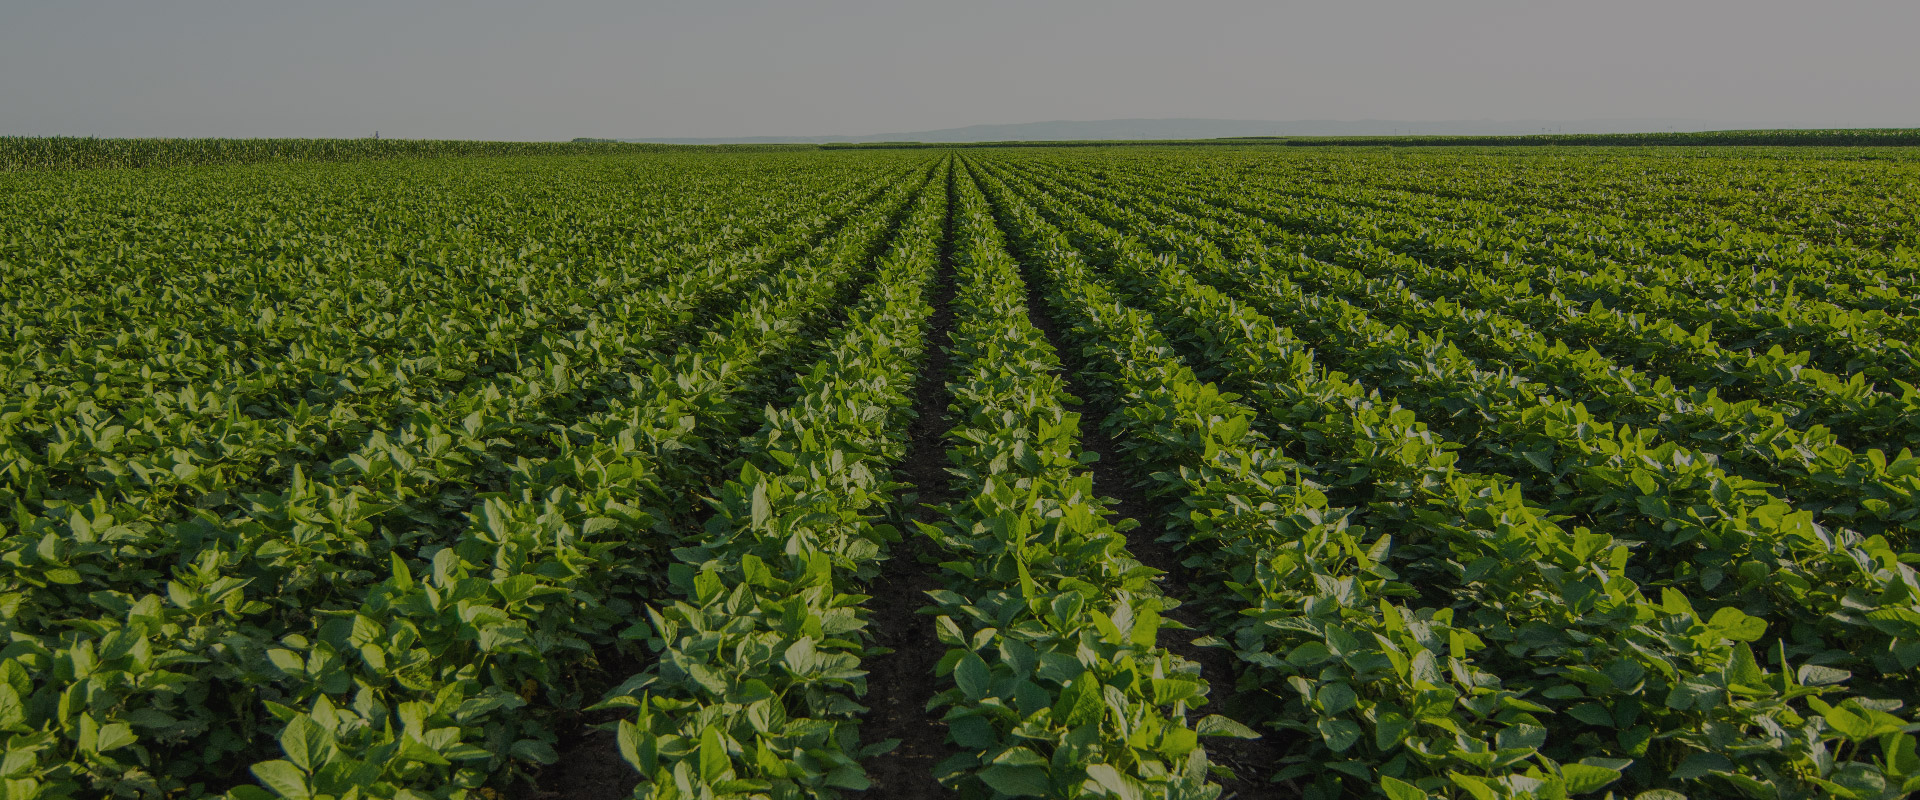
(385, 454)
(1489, 563)
(1492, 475)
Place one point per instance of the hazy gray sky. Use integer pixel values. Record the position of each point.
(566, 68)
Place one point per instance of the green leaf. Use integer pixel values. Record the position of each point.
(1592, 714)
(1479, 788)
(1700, 765)
(1390, 729)
(769, 763)
(1625, 673)
(283, 778)
(755, 570)
(1309, 654)
(849, 776)
(1066, 607)
(402, 577)
(307, 744)
(1020, 757)
(1339, 734)
(287, 661)
(1583, 778)
(1216, 725)
(762, 510)
(1634, 740)
(1016, 781)
(627, 737)
(973, 676)
(535, 751)
(1742, 669)
(13, 713)
(1814, 675)
(1079, 703)
(1518, 737)
(1397, 789)
(412, 749)
(1736, 625)
(1586, 544)
(1335, 698)
(972, 732)
(113, 737)
(801, 657)
(713, 756)
(1146, 628)
(1116, 784)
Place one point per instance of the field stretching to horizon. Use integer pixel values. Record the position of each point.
(1103, 472)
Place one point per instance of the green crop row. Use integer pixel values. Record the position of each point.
(646, 453)
(1868, 491)
(1580, 307)
(1488, 474)
(1057, 686)
(756, 668)
(1240, 361)
(413, 613)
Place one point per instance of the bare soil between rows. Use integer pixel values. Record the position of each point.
(900, 683)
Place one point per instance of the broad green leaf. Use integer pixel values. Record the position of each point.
(1216, 725)
(114, 736)
(1699, 765)
(1115, 784)
(762, 510)
(1521, 736)
(1814, 675)
(849, 776)
(308, 745)
(1016, 781)
(1736, 625)
(13, 713)
(1592, 714)
(1390, 729)
(1583, 778)
(714, 763)
(285, 779)
(1339, 733)
(1397, 789)
(1336, 698)
(973, 676)
(1308, 654)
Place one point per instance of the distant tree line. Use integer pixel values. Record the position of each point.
(19, 153)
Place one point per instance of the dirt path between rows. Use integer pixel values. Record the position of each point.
(900, 683)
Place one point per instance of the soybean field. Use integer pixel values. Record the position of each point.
(1102, 472)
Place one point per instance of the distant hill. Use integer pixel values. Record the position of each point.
(1064, 130)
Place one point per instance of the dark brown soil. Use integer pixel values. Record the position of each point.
(900, 683)
(590, 766)
(1250, 759)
